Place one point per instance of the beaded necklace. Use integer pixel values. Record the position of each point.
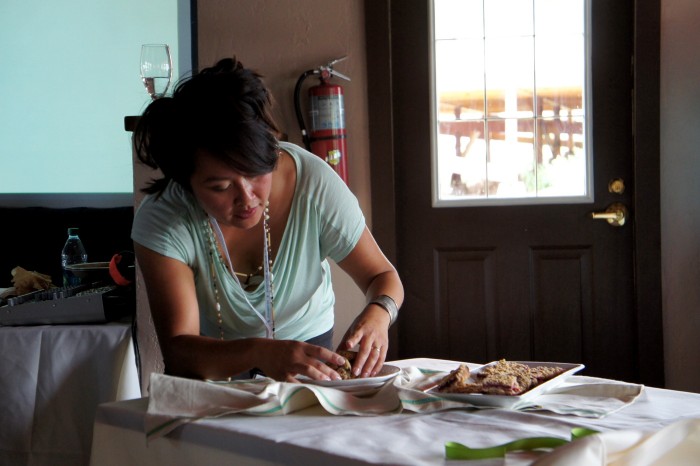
(268, 319)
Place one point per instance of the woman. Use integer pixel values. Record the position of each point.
(233, 240)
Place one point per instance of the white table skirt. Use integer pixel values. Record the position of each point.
(52, 378)
(313, 436)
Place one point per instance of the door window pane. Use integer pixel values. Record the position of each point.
(510, 77)
(510, 102)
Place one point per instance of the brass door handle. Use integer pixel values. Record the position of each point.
(615, 214)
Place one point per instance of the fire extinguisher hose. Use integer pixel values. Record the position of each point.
(297, 108)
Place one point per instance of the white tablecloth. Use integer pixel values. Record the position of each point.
(313, 436)
(52, 378)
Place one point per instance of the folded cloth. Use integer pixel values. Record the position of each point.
(586, 397)
(580, 396)
(675, 445)
(174, 401)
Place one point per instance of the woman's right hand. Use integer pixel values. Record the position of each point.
(283, 360)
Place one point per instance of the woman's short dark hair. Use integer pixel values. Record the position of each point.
(223, 110)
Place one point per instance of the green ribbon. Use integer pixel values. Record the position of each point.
(457, 451)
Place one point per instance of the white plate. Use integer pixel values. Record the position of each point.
(507, 401)
(386, 373)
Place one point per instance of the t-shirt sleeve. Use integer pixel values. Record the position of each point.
(160, 227)
(342, 220)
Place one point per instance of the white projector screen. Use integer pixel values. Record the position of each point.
(70, 74)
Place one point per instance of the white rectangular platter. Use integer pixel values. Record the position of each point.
(508, 401)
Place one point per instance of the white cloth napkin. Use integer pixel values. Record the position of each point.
(174, 401)
(677, 444)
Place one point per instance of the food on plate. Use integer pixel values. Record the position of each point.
(506, 378)
(459, 377)
(544, 373)
(501, 378)
(344, 371)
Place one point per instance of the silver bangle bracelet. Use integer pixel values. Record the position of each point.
(389, 305)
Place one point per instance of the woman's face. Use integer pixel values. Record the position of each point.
(232, 198)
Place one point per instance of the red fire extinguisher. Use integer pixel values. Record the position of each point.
(327, 137)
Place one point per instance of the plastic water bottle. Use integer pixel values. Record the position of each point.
(73, 253)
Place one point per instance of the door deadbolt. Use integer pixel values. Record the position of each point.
(616, 186)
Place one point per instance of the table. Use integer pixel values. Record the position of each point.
(312, 436)
(52, 378)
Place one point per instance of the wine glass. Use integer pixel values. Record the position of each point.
(156, 69)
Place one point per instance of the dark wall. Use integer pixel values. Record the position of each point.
(34, 236)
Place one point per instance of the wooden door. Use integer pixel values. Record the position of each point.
(541, 283)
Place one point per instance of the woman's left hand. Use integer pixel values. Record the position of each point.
(370, 333)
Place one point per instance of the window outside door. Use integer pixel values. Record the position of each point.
(510, 90)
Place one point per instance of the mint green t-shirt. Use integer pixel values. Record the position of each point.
(325, 221)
